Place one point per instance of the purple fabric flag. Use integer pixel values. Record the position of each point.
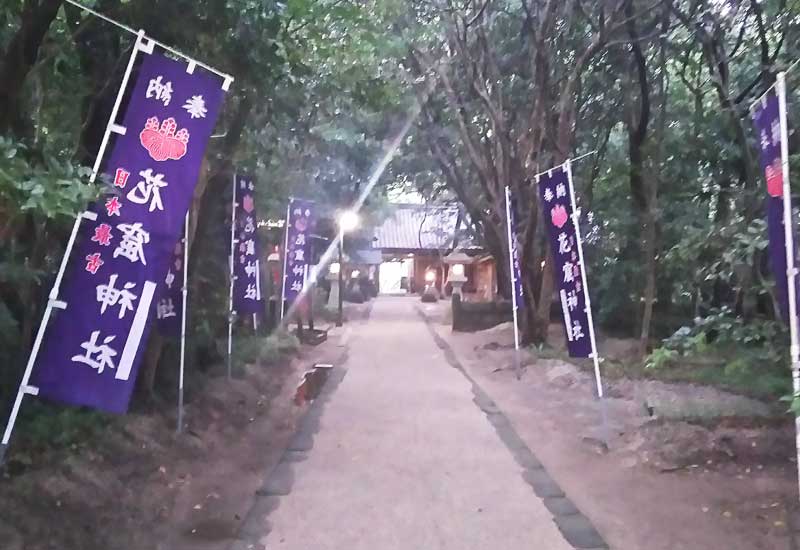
(169, 304)
(519, 291)
(767, 122)
(92, 350)
(246, 257)
(556, 196)
(298, 253)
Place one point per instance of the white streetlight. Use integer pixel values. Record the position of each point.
(348, 220)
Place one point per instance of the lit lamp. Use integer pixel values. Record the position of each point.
(430, 294)
(456, 276)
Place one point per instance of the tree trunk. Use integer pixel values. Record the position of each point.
(103, 64)
(19, 58)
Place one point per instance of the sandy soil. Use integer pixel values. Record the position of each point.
(665, 483)
(141, 487)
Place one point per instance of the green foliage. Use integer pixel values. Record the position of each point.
(264, 351)
(50, 189)
(46, 426)
(660, 358)
(725, 350)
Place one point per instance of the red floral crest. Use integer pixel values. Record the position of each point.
(248, 203)
(162, 142)
(559, 216)
(774, 175)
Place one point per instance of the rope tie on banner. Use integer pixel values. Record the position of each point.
(765, 92)
(549, 171)
(228, 79)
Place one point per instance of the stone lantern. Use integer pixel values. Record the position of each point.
(456, 275)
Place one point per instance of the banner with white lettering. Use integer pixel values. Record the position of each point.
(170, 295)
(767, 123)
(555, 192)
(247, 255)
(298, 242)
(513, 246)
(93, 348)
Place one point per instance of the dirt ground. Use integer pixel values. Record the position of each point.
(687, 467)
(138, 486)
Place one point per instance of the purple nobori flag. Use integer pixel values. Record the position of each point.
(169, 304)
(555, 194)
(298, 244)
(92, 350)
(519, 291)
(246, 253)
(766, 117)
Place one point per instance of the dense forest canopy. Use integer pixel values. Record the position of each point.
(672, 200)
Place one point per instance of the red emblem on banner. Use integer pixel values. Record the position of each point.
(162, 142)
(559, 216)
(247, 203)
(112, 206)
(121, 177)
(102, 234)
(774, 174)
(93, 262)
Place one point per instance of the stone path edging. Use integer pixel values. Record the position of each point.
(576, 528)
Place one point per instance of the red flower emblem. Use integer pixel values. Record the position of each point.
(774, 174)
(162, 142)
(248, 203)
(559, 216)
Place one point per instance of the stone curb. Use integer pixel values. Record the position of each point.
(280, 480)
(574, 526)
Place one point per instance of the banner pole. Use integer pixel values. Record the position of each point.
(513, 278)
(258, 293)
(587, 299)
(185, 292)
(232, 276)
(53, 302)
(285, 257)
(791, 269)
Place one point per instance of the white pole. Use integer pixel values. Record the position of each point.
(185, 292)
(587, 299)
(232, 277)
(513, 278)
(285, 257)
(53, 302)
(258, 293)
(791, 269)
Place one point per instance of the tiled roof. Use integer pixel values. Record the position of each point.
(420, 227)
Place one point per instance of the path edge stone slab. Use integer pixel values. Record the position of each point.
(577, 529)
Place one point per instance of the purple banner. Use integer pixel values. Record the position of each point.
(519, 291)
(298, 242)
(93, 349)
(556, 196)
(247, 255)
(169, 305)
(766, 117)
